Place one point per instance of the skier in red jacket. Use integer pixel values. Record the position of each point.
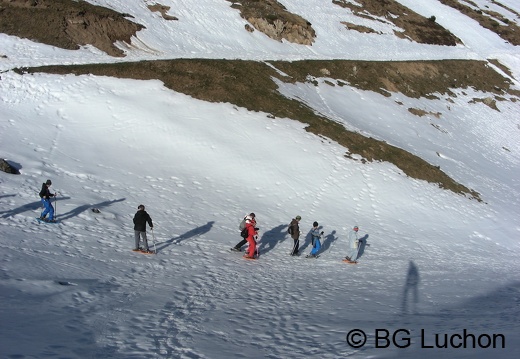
(251, 238)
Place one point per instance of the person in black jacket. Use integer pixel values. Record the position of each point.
(294, 231)
(140, 219)
(45, 195)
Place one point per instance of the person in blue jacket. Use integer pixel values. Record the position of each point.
(45, 195)
(316, 240)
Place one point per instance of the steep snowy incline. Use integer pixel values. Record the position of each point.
(112, 144)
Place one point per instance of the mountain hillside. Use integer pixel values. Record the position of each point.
(400, 117)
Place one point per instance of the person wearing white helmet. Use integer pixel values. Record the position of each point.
(238, 246)
(252, 234)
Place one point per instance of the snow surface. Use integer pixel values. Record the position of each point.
(434, 263)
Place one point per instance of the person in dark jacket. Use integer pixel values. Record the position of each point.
(45, 195)
(294, 231)
(140, 219)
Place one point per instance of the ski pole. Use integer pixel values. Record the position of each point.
(294, 247)
(153, 239)
(55, 205)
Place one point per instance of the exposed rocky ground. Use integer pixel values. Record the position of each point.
(67, 24)
(6, 167)
(273, 19)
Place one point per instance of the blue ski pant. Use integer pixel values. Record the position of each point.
(137, 237)
(47, 209)
(316, 247)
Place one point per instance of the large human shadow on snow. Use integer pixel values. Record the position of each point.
(305, 241)
(190, 234)
(411, 289)
(272, 238)
(78, 210)
(363, 243)
(483, 326)
(33, 206)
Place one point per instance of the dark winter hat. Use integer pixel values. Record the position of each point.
(298, 217)
(49, 182)
(141, 206)
(315, 224)
(356, 228)
(252, 215)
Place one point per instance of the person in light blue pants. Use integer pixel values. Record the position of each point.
(316, 240)
(353, 243)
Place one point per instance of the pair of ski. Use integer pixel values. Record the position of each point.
(46, 221)
(345, 260)
(233, 249)
(310, 256)
(140, 250)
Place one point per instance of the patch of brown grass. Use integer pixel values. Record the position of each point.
(250, 85)
(419, 112)
(508, 31)
(501, 67)
(359, 28)
(415, 27)
(163, 10)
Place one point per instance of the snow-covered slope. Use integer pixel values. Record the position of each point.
(433, 263)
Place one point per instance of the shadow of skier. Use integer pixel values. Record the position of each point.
(328, 241)
(305, 241)
(271, 238)
(190, 234)
(362, 244)
(78, 210)
(28, 207)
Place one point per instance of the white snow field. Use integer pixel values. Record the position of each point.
(438, 273)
